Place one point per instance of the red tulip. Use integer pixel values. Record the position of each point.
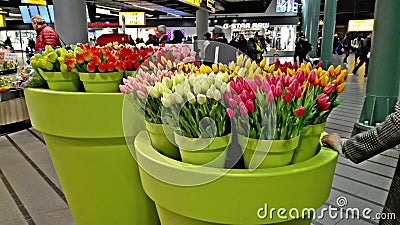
(311, 76)
(244, 96)
(257, 80)
(286, 81)
(277, 91)
(243, 110)
(102, 67)
(300, 76)
(322, 99)
(110, 66)
(287, 96)
(319, 64)
(295, 66)
(252, 95)
(79, 58)
(325, 106)
(250, 105)
(299, 111)
(297, 93)
(91, 67)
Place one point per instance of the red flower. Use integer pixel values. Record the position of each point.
(322, 99)
(250, 105)
(319, 64)
(102, 67)
(79, 58)
(91, 67)
(230, 113)
(325, 106)
(110, 66)
(287, 96)
(299, 111)
(328, 89)
(311, 76)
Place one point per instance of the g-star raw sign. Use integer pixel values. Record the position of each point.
(246, 25)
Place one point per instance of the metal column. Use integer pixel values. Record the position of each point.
(327, 32)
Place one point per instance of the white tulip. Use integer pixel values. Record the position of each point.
(217, 95)
(201, 99)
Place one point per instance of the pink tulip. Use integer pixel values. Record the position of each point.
(141, 95)
(244, 96)
(123, 89)
(189, 59)
(300, 76)
(252, 96)
(232, 103)
(328, 89)
(257, 80)
(239, 87)
(299, 111)
(298, 92)
(230, 113)
(311, 76)
(287, 96)
(286, 81)
(265, 87)
(325, 106)
(269, 97)
(233, 87)
(252, 84)
(293, 86)
(237, 98)
(322, 99)
(243, 110)
(228, 96)
(250, 105)
(246, 86)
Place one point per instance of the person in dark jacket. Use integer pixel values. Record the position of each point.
(302, 48)
(225, 53)
(161, 34)
(45, 34)
(152, 40)
(365, 145)
(178, 37)
(254, 48)
(365, 48)
(242, 44)
(346, 46)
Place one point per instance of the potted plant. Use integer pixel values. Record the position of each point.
(57, 68)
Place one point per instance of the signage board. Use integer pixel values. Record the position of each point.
(286, 6)
(2, 21)
(361, 25)
(192, 2)
(211, 5)
(132, 18)
(35, 2)
(246, 25)
(11, 57)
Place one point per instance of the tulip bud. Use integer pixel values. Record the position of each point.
(230, 113)
(243, 110)
(299, 111)
(263, 63)
(328, 89)
(322, 99)
(331, 70)
(298, 93)
(247, 63)
(287, 96)
(191, 98)
(165, 102)
(249, 105)
(257, 80)
(277, 91)
(340, 88)
(337, 70)
(325, 106)
(240, 60)
(201, 99)
(269, 97)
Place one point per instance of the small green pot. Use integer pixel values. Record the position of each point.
(62, 81)
(162, 139)
(101, 82)
(131, 73)
(203, 151)
(308, 143)
(267, 153)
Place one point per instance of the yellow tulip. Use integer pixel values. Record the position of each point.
(247, 63)
(263, 63)
(344, 73)
(331, 70)
(309, 66)
(214, 68)
(240, 60)
(337, 70)
(340, 88)
(290, 71)
(271, 68)
(340, 79)
(63, 67)
(302, 66)
(324, 80)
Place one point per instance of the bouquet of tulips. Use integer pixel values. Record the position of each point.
(53, 60)
(195, 108)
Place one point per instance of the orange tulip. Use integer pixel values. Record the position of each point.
(309, 66)
(324, 80)
(340, 88)
(345, 74)
(339, 79)
(302, 66)
(271, 68)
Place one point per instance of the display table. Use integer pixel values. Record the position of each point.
(84, 136)
(13, 107)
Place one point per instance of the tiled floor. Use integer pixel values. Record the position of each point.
(30, 192)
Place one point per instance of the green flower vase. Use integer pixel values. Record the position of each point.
(101, 82)
(267, 153)
(62, 81)
(162, 139)
(309, 143)
(130, 73)
(203, 151)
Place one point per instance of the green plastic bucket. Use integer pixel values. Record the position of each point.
(308, 143)
(267, 153)
(161, 137)
(62, 81)
(101, 82)
(203, 151)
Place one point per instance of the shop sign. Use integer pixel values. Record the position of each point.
(35, 2)
(361, 25)
(132, 18)
(246, 25)
(103, 25)
(10, 57)
(192, 2)
(211, 5)
(2, 23)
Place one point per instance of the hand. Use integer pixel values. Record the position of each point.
(331, 140)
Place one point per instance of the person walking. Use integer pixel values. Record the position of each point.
(365, 145)
(254, 48)
(302, 48)
(364, 55)
(346, 46)
(45, 34)
(161, 34)
(242, 44)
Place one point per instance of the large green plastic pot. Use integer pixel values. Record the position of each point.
(101, 82)
(186, 194)
(308, 143)
(85, 139)
(62, 81)
(267, 153)
(162, 139)
(203, 151)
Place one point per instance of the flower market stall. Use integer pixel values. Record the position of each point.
(218, 144)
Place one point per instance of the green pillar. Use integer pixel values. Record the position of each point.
(384, 71)
(312, 24)
(327, 32)
(304, 10)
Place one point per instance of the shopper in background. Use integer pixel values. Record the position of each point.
(335, 43)
(152, 40)
(178, 37)
(254, 49)
(242, 44)
(365, 145)
(45, 34)
(365, 48)
(346, 46)
(161, 34)
(302, 48)
(234, 42)
(208, 36)
(219, 47)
